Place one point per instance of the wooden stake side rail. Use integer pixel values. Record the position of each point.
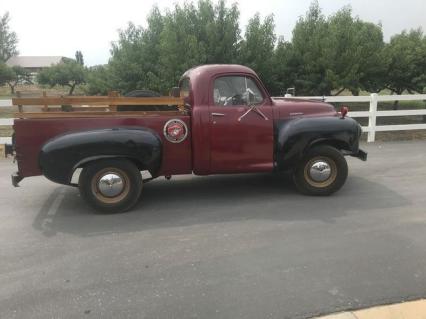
(98, 100)
(95, 106)
(44, 115)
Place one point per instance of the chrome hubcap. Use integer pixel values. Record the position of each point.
(320, 171)
(110, 185)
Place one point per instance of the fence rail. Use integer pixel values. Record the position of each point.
(371, 114)
(5, 102)
(6, 122)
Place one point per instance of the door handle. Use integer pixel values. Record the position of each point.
(218, 114)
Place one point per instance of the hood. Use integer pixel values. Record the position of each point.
(288, 107)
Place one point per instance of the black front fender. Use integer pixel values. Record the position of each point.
(295, 136)
(60, 156)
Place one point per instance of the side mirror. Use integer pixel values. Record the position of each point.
(290, 92)
(175, 91)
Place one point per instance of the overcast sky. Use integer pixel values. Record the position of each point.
(55, 27)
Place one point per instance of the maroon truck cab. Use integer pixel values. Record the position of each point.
(230, 125)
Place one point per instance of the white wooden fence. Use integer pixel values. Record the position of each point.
(5, 102)
(4, 122)
(372, 113)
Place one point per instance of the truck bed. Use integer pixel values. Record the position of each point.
(31, 134)
(33, 129)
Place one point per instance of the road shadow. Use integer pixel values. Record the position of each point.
(213, 199)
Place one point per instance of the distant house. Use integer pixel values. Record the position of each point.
(35, 64)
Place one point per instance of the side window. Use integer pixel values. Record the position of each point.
(235, 90)
(184, 87)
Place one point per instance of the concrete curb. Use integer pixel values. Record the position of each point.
(405, 310)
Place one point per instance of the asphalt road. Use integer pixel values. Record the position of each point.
(246, 246)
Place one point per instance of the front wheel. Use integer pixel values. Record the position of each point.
(111, 185)
(322, 171)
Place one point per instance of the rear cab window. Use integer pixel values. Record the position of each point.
(185, 87)
(185, 91)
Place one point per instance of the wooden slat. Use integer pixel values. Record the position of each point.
(94, 114)
(57, 108)
(92, 108)
(98, 100)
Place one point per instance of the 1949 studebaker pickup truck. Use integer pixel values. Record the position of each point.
(227, 123)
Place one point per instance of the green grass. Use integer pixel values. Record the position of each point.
(37, 90)
(7, 112)
(6, 131)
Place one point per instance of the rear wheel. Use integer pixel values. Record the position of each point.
(111, 185)
(322, 171)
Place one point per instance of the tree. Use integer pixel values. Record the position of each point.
(98, 80)
(68, 73)
(326, 54)
(8, 39)
(257, 49)
(79, 57)
(284, 66)
(332, 54)
(180, 31)
(353, 49)
(405, 56)
(156, 56)
(309, 63)
(19, 75)
(134, 63)
(209, 33)
(6, 74)
(218, 30)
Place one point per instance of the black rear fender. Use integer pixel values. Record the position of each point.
(60, 156)
(295, 136)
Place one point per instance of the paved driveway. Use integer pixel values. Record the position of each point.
(245, 246)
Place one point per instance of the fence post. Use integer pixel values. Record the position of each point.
(45, 108)
(372, 118)
(113, 108)
(18, 95)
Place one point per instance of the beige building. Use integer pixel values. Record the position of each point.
(35, 64)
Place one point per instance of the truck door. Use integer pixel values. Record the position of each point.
(241, 126)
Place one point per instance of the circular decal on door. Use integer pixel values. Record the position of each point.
(175, 131)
